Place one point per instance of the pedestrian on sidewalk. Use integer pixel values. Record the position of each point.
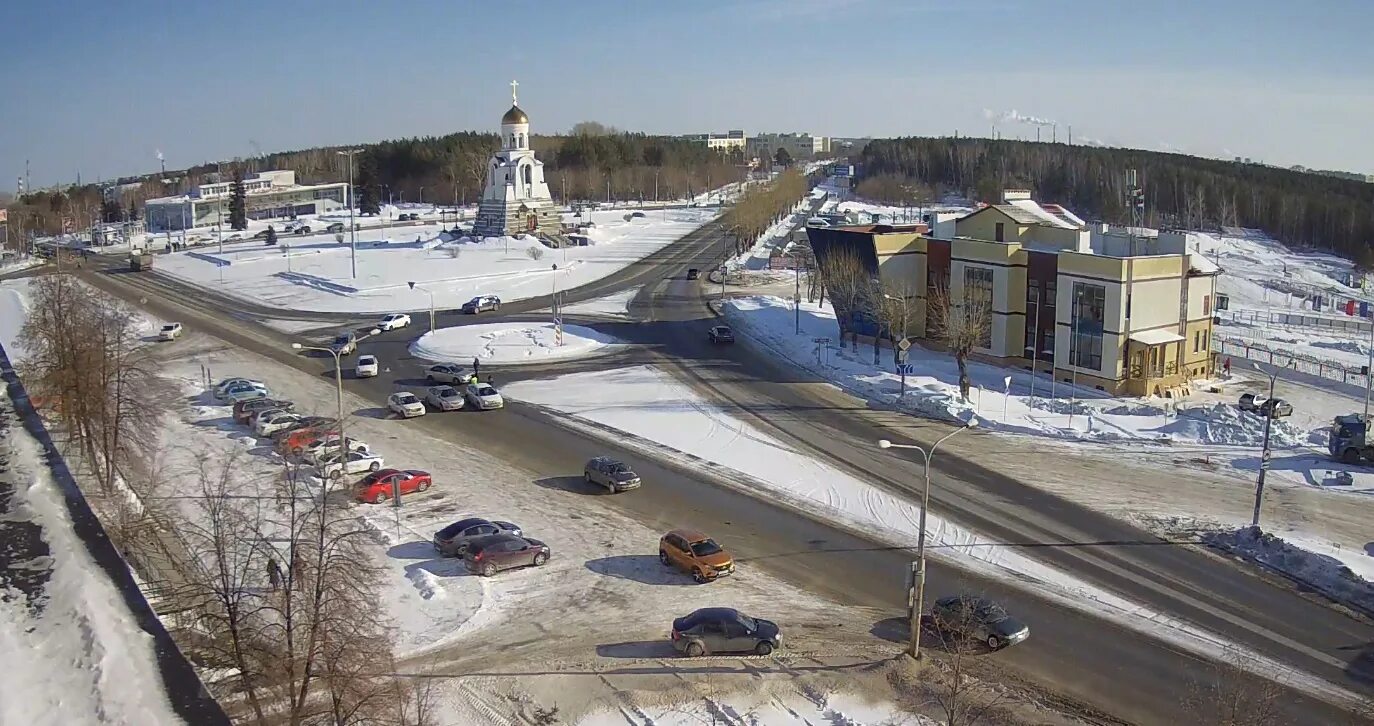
(476, 366)
(273, 573)
(1226, 366)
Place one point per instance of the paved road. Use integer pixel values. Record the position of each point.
(1085, 659)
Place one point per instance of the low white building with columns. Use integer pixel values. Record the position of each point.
(516, 199)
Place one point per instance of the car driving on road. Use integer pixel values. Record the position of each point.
(344, 344)
(405, 404)
(724, 630)
(366, 367)
(481, 304)
(170, 331)
(394, 321)
(382, 485)
(613, 474)
(696, 554)
(489, 555)
(978, 618)
(453, 540)
(720, 334)
(443, 398)
(446, 373)
(483, 396)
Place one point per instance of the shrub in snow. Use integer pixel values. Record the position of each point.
(534, 252)
(454, 251)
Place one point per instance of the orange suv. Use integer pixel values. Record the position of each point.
(696, 554)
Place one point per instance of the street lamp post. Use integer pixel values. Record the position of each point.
(1264, 446)
(414, 286)
(557, 314)
(918, 603)
(352, 226)
(338, 381)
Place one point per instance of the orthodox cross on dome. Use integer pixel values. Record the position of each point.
(513, 86)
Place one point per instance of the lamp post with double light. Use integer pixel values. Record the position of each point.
(338, 381)
(918, 601)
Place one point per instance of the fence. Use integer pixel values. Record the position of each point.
(1294, 320)
(1311, 365)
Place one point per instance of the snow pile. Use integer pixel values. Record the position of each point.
(808, 709)
(1226, 424)
(1323, 573)
(73, 652)
(510, 343)
(14, 310)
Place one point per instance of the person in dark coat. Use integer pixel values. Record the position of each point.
(273, 573)
(476, 366)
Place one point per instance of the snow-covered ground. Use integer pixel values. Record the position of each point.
(73, 653)
(610, 306)
(798, 709)
(14, 310)
(511, 343)
(314, 272)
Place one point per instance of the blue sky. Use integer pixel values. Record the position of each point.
(100, 87)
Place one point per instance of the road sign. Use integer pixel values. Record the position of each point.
(903, 344)
(820, 340)
(901, 356)
(907, 369)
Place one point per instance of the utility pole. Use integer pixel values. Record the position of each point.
(796, 294)
(352, 227)
(1264, 447)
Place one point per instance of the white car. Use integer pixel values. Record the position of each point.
(328, 447)
(222, 388)
(405, 404)
(444, 398)
(334, 467)
(483, 396)
(366, 367)
(394, 321)
(272, 423)
(170, 331)
(296, 226)
(446, 373)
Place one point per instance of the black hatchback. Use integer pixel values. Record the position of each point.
(724, 630)
(693, 274)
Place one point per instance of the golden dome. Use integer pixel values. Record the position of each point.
(515, 116)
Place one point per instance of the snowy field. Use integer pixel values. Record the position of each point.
(511, 343)
(73, 652)
(314, 272)
(14, 309)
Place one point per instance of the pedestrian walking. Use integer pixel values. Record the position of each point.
(297, 571)
(489, 382)
(476, 365)
(273, 573)
(1226, 366)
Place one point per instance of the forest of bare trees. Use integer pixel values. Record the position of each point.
(762, 206)
(1296, 208)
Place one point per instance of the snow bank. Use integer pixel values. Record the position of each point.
(510, 343)
(1323, 573)
(839, 709)
(14, 310)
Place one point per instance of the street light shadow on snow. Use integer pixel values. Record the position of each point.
(373, 412)
(645, 569)
(637, 649)
(574, 484)
(898, 630)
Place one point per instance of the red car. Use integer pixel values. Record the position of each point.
(378, 486)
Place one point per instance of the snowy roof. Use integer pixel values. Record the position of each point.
(1156, 337)
(1041, 215)
(1199, 263)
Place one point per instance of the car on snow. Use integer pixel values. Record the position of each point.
(1271, 407)
(978, 618)
(381, 485)
(244, 411)
(453, 540)
(235, 394)
(489, 555)
(696, 554)
(444, 398)
(394, 321)
(483, 396)
(366, 367)
(270, 422)
(222, 388)
(446, 373)
(296, 226)
(481, 304)
(170, 331)
(724, 630)
(613, 474)
(327, 445)
(336, 464)
(405, 404)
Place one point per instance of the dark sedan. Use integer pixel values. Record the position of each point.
(720, 334)
(724, 630)
(489, 555)
(978, 618)
(453, 540)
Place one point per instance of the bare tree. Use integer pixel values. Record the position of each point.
(1234, 695)
(534, 252)
(962, 323)
(845, 276)
(964, 696)
(896, 309)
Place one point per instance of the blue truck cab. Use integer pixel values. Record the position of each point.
(1347, 439)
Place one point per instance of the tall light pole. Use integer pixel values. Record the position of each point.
(1369, 371)
(414, 286)
(557, 316)
(918, 604)
(352, 227)
(338, 380)
(1264, 447)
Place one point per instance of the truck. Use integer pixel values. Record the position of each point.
(140, 261)
(1346, 441)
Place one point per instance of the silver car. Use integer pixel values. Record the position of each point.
(443, 398)
(446, 373)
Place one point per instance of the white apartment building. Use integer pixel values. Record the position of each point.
(268, 195)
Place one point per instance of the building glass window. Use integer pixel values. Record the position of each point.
(1051, 293)
(1197, 340)
(1206, 339)
(1085, 337)
(1000, 234)
(978, 291)
(1033, 291)
(1206, 304)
